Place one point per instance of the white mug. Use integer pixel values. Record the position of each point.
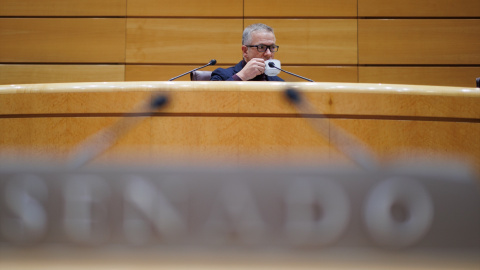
(269, 71)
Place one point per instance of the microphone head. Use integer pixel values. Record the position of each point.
(213, 62)
(293, 95)
(271, 64)
(158, 101)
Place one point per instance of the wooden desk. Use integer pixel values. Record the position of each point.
(240, 121)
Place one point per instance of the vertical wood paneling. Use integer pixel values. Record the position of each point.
(77, 40)
(313, 41)
(414, 41)
(63, 7)
(49, 73)
(347, 74)
(185, 8)
(446, 76)
(301, 8)
(162, 72)
(316, 73)
(183, 40)
(419, 8)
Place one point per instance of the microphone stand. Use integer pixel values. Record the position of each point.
(211, 63)
(272, 65)
(348, 144)
(99, 142)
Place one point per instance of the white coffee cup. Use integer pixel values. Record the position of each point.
(270, 71)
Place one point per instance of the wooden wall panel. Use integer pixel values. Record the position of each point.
(314, 41)
(414, 41)
(184, 40)
(447, 76)
(185, 8)
(419, 8)
(162, 72)
(316, 73)
(80, 40)
(321, 73)
(301, 8)
(392, 139)
(20, 74)
(63, 8)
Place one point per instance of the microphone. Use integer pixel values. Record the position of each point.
(211, 63)
(100, 141)
(272, 65)
(351, 146)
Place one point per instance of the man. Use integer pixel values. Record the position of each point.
(258, 45)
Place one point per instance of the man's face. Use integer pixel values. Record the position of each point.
(259, 38)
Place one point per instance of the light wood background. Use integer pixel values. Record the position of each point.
(373, 41)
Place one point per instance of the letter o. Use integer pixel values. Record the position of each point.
(301, 227)
(411, 198)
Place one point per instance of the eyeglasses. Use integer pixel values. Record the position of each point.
(263, 48)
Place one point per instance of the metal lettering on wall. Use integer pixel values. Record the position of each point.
(394, 207)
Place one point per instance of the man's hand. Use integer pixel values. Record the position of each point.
(254, 67)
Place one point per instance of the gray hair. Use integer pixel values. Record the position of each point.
(247, 33)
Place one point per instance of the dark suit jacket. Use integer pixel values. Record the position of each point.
(226, 74)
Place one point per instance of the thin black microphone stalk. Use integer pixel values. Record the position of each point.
(211, 63)
(351, 146)
(272, 65)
